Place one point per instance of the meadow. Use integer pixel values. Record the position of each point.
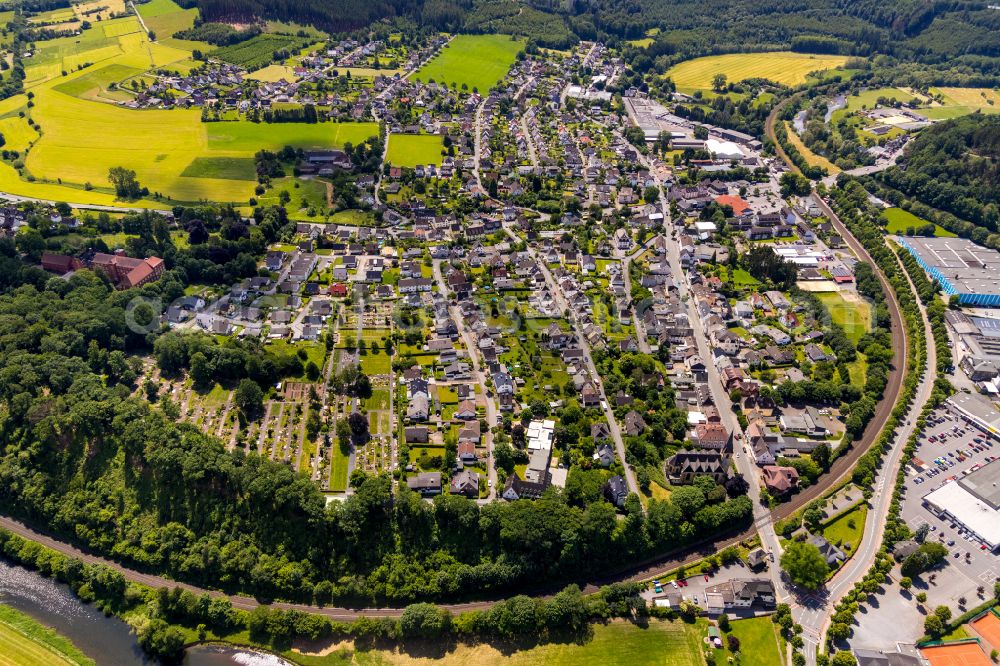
(811, 158)
(782, 67)
(659, 643)
(477, 61)
(25, 642)
(899, 220)
(409, 150)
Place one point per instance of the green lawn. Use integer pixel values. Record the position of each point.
(477, 61)
(847, 528)
(338, 469)
(378, 400)
(25, 642)
(758, 642)
(315, 352)
(899, 220)
(741, 278)
(854, 316)
(376, 364)
(409, 150)
(660, 643)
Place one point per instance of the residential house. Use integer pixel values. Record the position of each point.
(425, 483)
(686, 465)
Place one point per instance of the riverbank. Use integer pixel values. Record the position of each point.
(25, 642)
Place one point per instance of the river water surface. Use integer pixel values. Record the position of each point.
(106, 640)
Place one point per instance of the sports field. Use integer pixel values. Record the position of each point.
(848, 310)
(478, 61)
(409, 150)
(988, 626)
(956, 654)
(783, 67)
(24, 642)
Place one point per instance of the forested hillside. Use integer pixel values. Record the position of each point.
(954, 167)
(909, 28)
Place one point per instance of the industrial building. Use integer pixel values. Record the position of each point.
(977, 411)
(973, 501)
(963, 269)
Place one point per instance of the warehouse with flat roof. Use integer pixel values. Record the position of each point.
(973, 501)
(976, 410)
(963, 269)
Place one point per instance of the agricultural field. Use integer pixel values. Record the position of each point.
(273, 74)
(848, 310)
(409, 150)
(166, 162)
(899, 220)
(659, 642)
(962, 101)
(96, 85)
(258, 52)
(165, 17)
(476, 61)
(25, 642)
(784, 67)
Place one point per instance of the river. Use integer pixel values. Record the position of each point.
(106, 640)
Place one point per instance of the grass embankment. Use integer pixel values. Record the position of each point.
(660, 643)
(25, 642)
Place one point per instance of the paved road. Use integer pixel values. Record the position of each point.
(815, 623)
(588, 357)
(480, 376)
(812, 611)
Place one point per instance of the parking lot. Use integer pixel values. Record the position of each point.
(949, 449)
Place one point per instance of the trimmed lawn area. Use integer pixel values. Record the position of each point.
(409, 150)
(899, 220)
(477, 61)
(376, 364)
(338, 469)
(783, 67)
(855, 316)
(759, 644)
(25, 642)
(847, 528)
(378, 400)
(660, 643)
(741, 278)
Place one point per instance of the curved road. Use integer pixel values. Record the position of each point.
(640, 571)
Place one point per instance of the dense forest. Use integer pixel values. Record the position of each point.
(953, 166)
(914, 29)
